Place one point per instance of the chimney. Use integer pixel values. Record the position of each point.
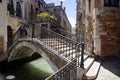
(61, 3)
(64, 8)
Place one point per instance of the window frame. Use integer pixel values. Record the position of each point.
(111, 3)
(0, 1)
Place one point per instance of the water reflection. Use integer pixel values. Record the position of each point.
(38, 69)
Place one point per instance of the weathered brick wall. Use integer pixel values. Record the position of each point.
(1, 45)
(110, 33)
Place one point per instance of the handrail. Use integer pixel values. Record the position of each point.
(49, 36)
(70, 35)
(65, 72)
(45, 33)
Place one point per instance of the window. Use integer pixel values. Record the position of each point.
(0, 1)
(44, 25)
(18, 10)
(10, 7)
(89, 3)
(55, 10)
(111, 3)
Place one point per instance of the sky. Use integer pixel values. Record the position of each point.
(70, 9)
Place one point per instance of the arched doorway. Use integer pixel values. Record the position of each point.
(9, 36)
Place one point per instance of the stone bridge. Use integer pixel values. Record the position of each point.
(66, 57)
(26, 47)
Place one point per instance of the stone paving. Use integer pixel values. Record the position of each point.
(109, 71)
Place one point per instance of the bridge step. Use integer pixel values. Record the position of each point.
(88, 63)
(85, 57)
(92, 73)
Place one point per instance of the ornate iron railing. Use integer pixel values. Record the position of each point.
(74, 49)
(74, 37)
(48, 36)
(67, 72)
(59, 40)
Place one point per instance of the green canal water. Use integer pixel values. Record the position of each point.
(37, 69)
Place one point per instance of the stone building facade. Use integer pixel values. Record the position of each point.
(3, 27)
(60, 14)
(35, 7)
(27, 10)
(17, 13)
(102, 26)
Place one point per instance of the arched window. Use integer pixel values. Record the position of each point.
(10, 7)
(111, 3)
(18, 10)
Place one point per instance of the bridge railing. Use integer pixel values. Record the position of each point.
(67, 72)
(51, 37)
(70, 35)
(44, 33)
(48, 36)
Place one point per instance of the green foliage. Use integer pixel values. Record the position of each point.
(53, 17)
(46, 15)
(43, 15)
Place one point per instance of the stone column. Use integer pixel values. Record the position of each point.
(97, 40)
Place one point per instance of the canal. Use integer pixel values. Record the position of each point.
(37, 69)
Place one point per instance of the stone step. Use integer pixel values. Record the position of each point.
(85, 57)
(92, 73)
(88, 62)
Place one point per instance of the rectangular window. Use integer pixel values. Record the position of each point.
(0, 1)
(89, 3)
(111, 3)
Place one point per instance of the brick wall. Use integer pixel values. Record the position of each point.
(110, 40)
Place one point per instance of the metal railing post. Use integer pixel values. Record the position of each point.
(93, 47)
(78, 54)
(33, 30)
(82, 56)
